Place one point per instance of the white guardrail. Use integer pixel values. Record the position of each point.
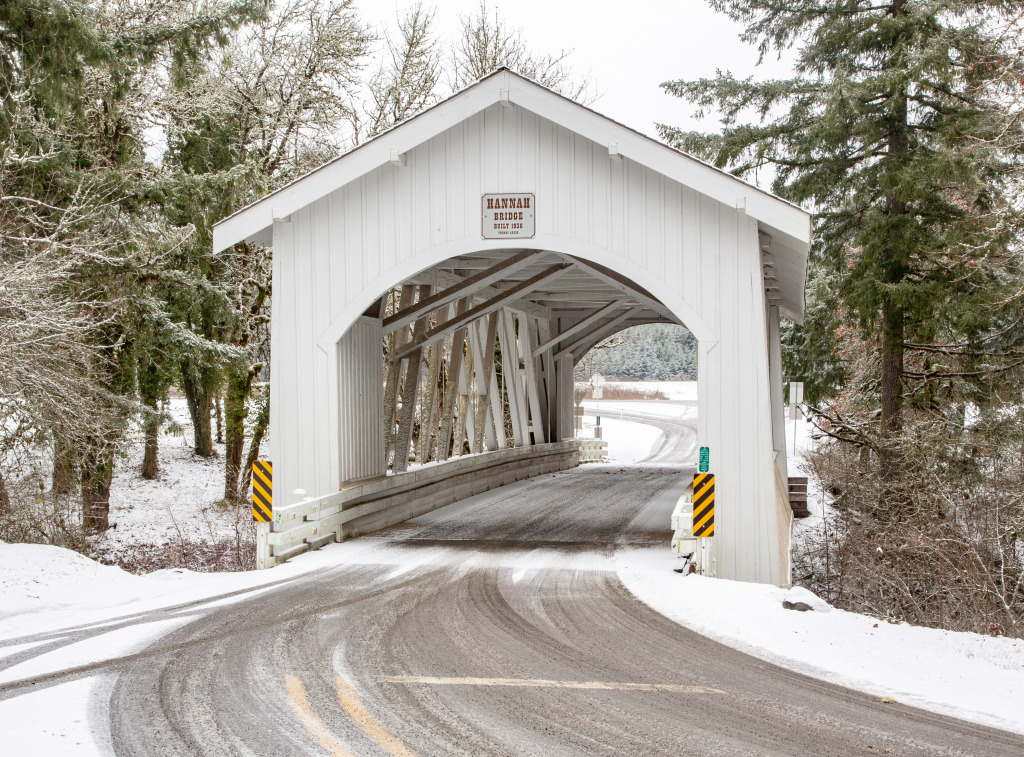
(371, 505)
(592, 450)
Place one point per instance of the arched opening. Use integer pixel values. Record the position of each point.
(474, 354)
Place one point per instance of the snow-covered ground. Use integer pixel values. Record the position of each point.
(798, 444)
(629, 440)
(47, 593)
(53, 594)
(163, 521)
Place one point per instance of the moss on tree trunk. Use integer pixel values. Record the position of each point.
(238, 387)
(198, 390)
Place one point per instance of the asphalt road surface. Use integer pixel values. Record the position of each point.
(492, 627)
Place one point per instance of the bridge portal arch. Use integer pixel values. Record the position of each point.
(621, 229)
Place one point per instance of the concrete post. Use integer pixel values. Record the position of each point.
(263, 557)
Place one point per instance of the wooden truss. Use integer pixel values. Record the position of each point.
(474, 349)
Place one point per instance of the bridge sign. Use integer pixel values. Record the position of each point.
(508, 216)
(705, 459)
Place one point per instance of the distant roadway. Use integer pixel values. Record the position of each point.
(678, 440)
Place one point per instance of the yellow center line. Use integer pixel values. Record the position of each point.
(364, 719)
(304, 712)
(544, 683)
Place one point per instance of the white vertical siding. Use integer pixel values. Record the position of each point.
(360, 396)
(699, 256)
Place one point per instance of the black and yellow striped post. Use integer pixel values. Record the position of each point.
(703, 504)
(262, 492)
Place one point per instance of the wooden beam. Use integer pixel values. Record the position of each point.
(442, 277)
(537, 424)
(409, 391)
(621, 283)
(497, 413)
(464, 426)
(394, 374)
(606, 328)
(566, 401)
(504, 298)
(591, 319)
(428, 408)
(483, 361)
(546, 371)
(513, 383)
(464, 288)
(451, 393)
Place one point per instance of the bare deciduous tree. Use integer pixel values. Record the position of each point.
(406, 82)
(486, 44)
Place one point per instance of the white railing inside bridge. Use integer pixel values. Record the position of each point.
(368, 506)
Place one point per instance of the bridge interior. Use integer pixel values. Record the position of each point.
(479, 350)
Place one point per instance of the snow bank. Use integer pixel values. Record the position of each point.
(963, 675)
(45, 589)
(628, 441)
(33, 576)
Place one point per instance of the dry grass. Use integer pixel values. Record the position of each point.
(626, 392)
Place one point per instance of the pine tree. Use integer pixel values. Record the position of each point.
(78, 81)
(898, 127)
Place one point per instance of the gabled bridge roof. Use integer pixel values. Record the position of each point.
(788, 225)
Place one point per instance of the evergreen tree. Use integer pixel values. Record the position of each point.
(78, 82)
(266, 111)
(896, 128)
(656, 352)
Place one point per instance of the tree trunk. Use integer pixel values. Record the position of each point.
(238, 386)
(63, 468)
(5, 497)
(893, 314)
(218, 407)
(97, 473)
(150, 391)
(149, 466)
(199, 396)
(258, 432)
(891, 393)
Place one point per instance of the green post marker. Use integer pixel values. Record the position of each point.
(705, 459)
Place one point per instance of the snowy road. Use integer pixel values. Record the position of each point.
(676, 421)
(496, 626)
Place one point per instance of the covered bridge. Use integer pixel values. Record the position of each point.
(434, 287)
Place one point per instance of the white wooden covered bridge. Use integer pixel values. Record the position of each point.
(434, 287)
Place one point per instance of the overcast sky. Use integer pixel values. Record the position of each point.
(627, 48)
